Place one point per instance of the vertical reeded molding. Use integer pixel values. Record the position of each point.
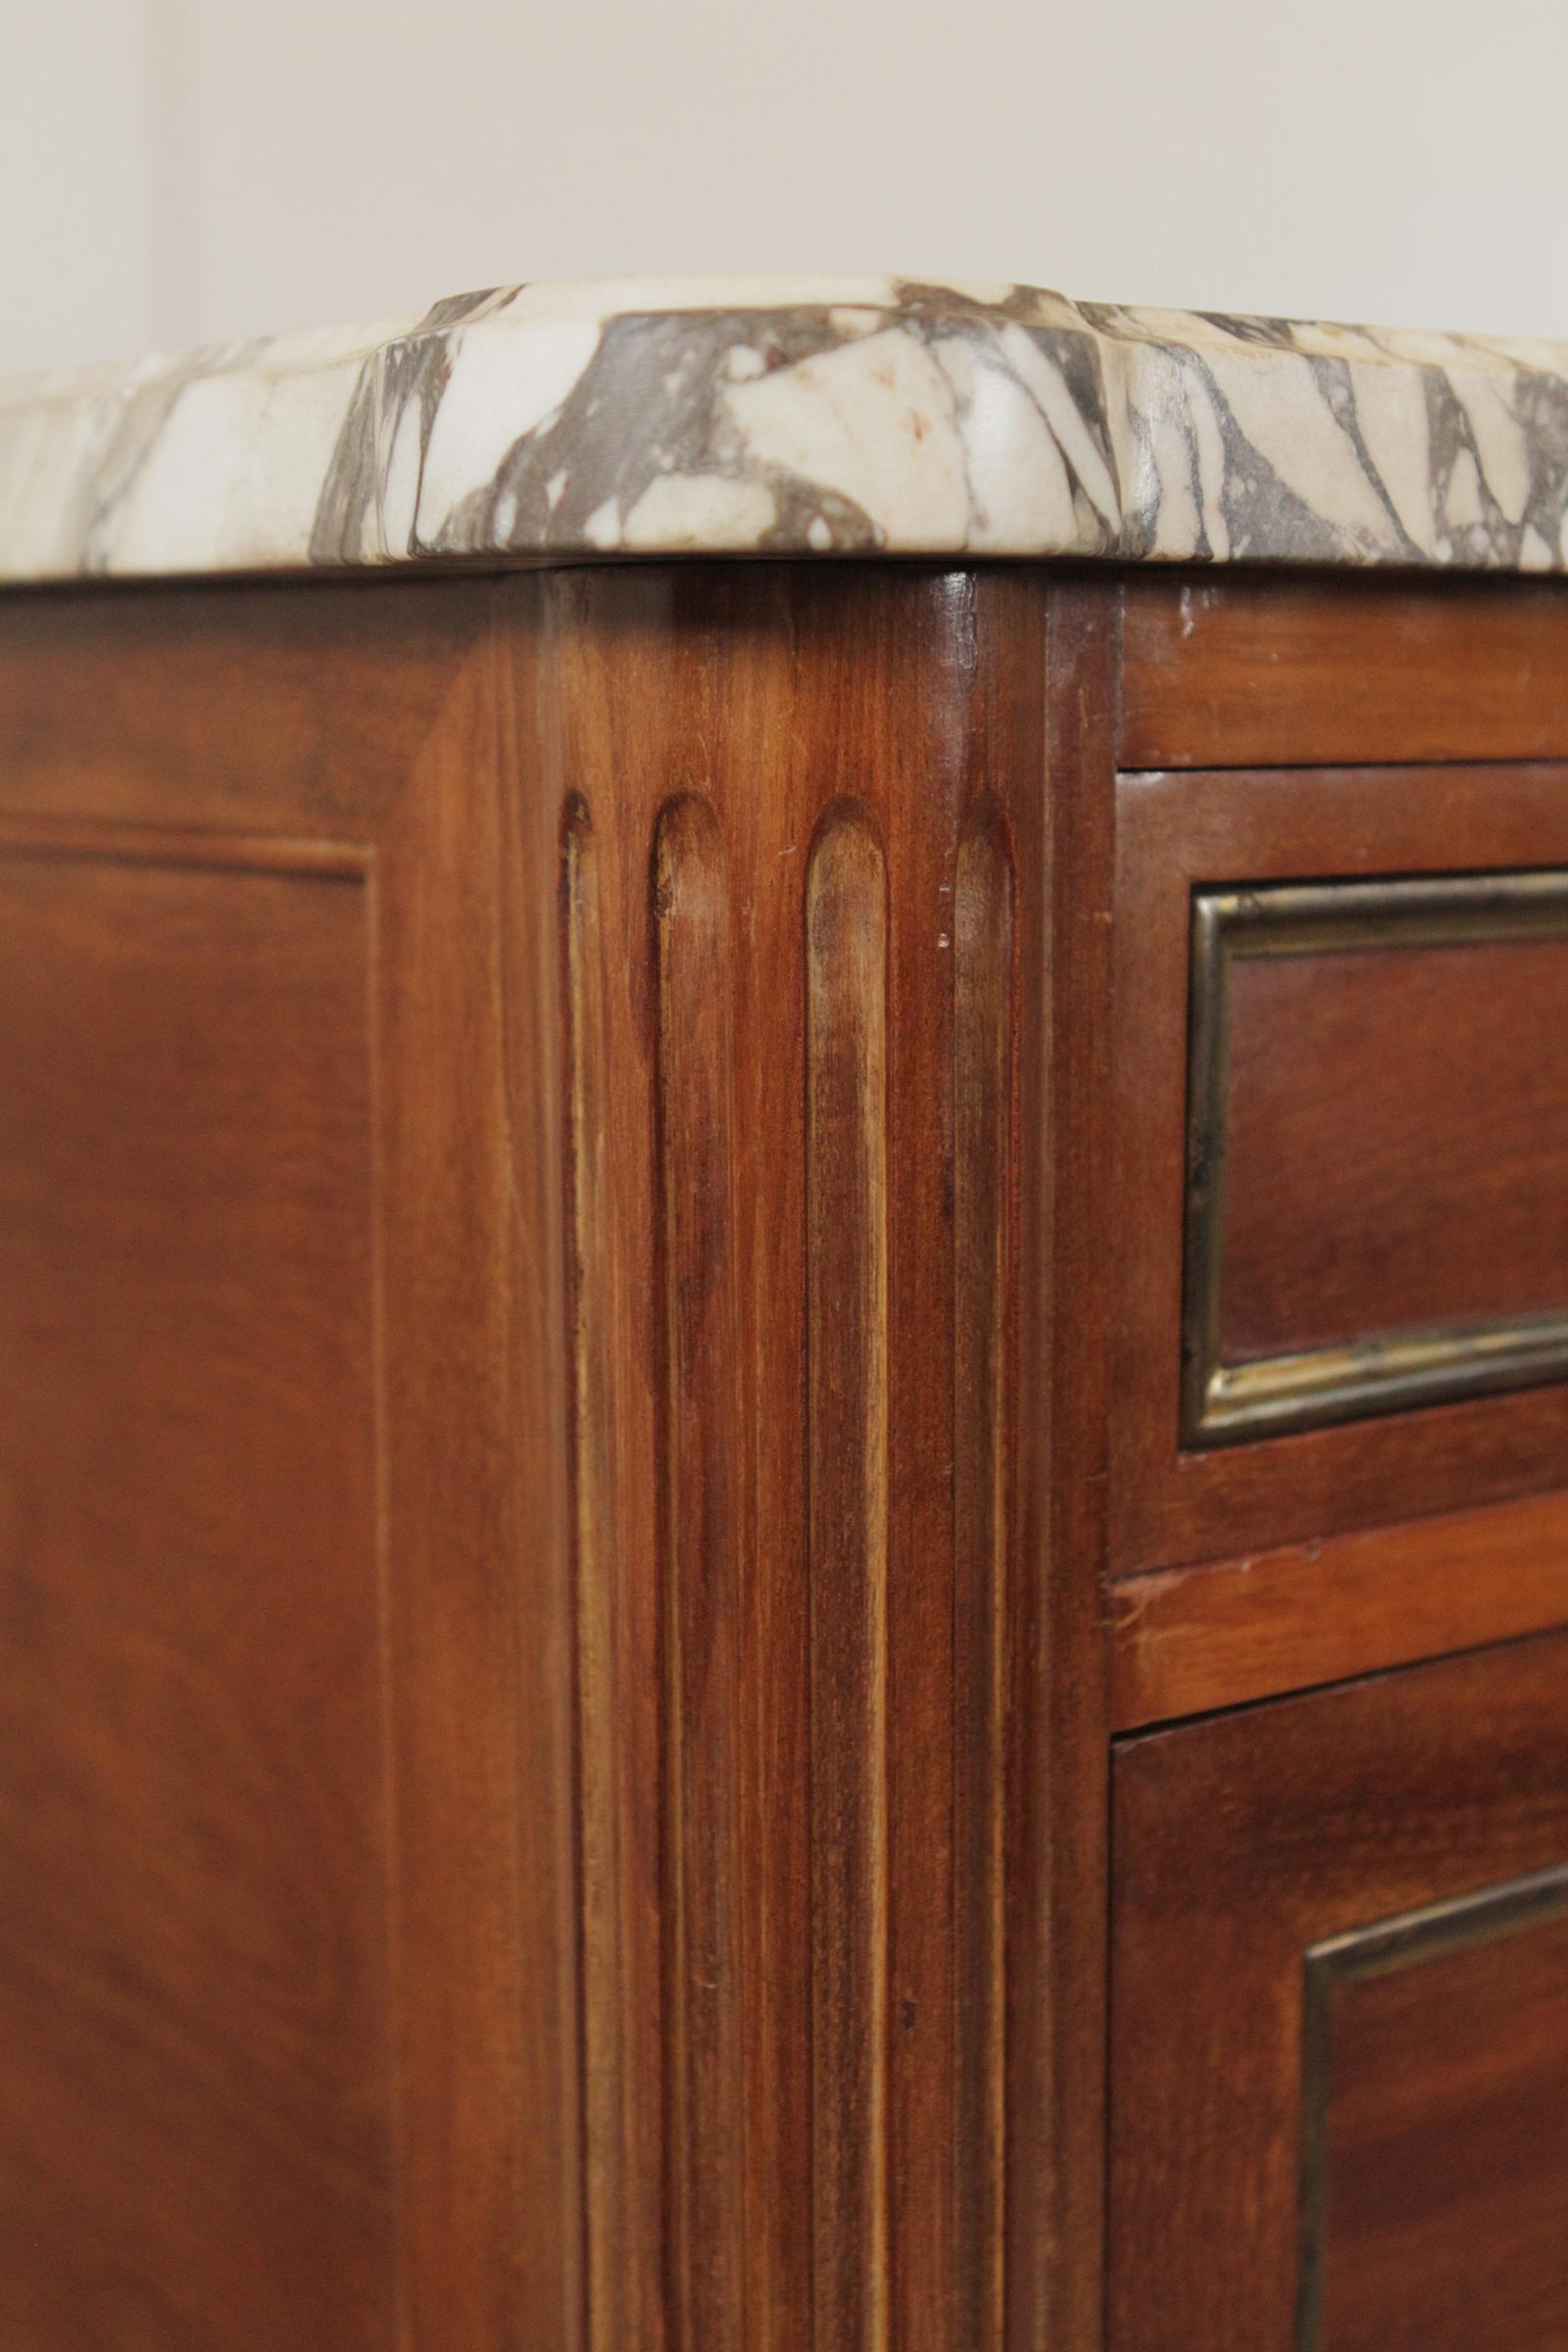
(981, 1203)
(701, 1597)
(592, 1458)
(847, 1317)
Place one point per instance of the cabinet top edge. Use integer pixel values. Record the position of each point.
(793, 417)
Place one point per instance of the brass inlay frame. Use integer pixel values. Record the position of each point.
(1382, 1372)
(1410, 1937)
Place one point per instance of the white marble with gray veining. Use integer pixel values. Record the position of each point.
(793, 417)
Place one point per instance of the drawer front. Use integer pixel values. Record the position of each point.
(1340, 2018)
(1341, 1035)
(1377, 1149)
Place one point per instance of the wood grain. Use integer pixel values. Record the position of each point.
(198, 2140)
(1437, 2083)
(704, 1580)
(474, 1492)
(1261, 671)
(1396, 1142)
(847, 1327)
(1059, 1829)
(726, 1021)
(1190, 1639)
(325, 1343)
(984, 1015)
(1174, 832)
(615, 2311)
(819, 1259)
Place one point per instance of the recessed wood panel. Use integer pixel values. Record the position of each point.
(1397, 1143)
(1436, 2130)
(1389, 1133)
(307, 908)
(196, 2133)
(1377, 1149)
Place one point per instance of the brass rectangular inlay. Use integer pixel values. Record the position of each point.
(1378, 1372)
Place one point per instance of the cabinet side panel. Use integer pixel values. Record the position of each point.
(196, 2137)
(296, 1094)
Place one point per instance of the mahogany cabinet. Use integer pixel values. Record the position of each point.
(783, 1539)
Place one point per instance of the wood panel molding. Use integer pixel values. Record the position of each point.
(177, 846)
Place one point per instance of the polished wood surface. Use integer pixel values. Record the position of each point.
(196, 2137)
(1186, 1641)
(1176, 831)
(1251, 671)
(704, 1603)
(285, 1788)
(1243, 1843)
(1396, 1142)
(985, 1244)
(839, 1820)
(598, 1192)
(1057, 1839)
(1346, 1150)
(845, 924)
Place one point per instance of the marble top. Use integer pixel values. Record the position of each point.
(834, 416)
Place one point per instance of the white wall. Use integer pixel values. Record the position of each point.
(178, 170)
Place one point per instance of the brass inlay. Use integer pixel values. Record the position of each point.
(1408, 1940)
(1381, 1372)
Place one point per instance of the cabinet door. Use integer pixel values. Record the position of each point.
(1340, 2018)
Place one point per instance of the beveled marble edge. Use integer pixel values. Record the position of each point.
(791, 418)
